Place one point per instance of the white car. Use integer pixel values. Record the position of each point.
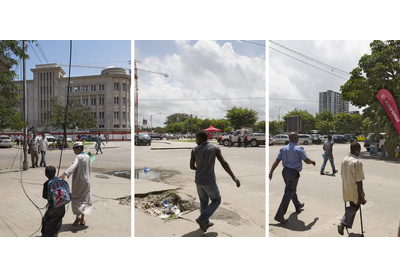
(5, 141)
(281, 139)
(305, 139)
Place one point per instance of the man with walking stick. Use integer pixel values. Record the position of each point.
(352, 184)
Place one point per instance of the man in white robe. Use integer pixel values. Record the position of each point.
(81, 201)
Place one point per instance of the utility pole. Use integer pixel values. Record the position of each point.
(25, 162)
(279, 113)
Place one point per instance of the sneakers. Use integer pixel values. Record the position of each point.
(322, 173)
(203, 225)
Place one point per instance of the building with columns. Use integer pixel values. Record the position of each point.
(107, 94)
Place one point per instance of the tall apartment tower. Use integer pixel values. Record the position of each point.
(107, 94)
(332, 101)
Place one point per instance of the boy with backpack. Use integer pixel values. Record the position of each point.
(57, 192)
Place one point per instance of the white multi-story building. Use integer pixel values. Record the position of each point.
(107, 94)
(332, 101)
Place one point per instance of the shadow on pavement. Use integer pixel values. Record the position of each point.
(200, 233)
(295, 224)
(72, 229)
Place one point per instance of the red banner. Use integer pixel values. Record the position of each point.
(386, 98)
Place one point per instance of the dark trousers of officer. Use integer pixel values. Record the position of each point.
(291, 178)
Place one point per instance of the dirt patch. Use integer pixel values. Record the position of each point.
(166, 205)
(124, 200)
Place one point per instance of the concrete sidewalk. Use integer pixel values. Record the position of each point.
(20, 218)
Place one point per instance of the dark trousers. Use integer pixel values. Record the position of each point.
(350, 214)
(52, 221)
(291, 178)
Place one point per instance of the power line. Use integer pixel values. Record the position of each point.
(311, 59)
(197, 99)
(304, 100)
(307, 63)
(256, 43)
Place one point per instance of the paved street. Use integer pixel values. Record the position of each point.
(242, 211)
(322, 195)
(110, 217)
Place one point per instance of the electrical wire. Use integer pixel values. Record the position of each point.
(208, 99)
(311, 59)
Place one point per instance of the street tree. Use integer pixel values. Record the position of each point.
(10, 117)
(375, 71)
(238, 117)
(78, 115)
(324, 122)
(176, 118)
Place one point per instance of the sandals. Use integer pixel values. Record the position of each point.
(76, 222)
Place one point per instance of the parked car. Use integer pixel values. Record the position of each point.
(142, 137)
(350, 137)
(361, 137)
(324, 138)
(379, 141)
(281, 139)
(5, 141)
(49, 137)
(169, 136)
(304, 139)
(271, 140)
(337, 138)
(61, 138)
(316, 139)
(155, 136)
(219, 140)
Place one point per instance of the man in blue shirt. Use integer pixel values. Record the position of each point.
(203, 161)
(291, 156)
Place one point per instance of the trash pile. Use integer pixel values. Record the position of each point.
(166, 210)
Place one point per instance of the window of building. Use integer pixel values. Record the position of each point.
(84, 88)
(101, 115)
(123, 86)
(116, 126)
(123, 101)
(116, 100)
(93, 101)
(101, 101)
(116, 115)
(101, 126)
(85, 102)
(93, 87)
(77, 89)
(94, 115)
(101, 87)
(116, 86)
(123, 115)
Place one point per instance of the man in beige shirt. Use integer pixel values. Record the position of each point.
(352, 182)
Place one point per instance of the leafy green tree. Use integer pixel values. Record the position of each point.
(10, 117)
(307, 120)
(176, 118)
(238, 117)
(375, 71)
(324, 122)
(78, 115)
(260, 126)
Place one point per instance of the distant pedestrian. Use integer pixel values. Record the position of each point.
(43, 147)
(245, 140)
(203, 161)
(239, 140)
(123, 137)
(17, 141)
(328, 155)
(52, 219)
(98, 144)
(81, 201)
(33, 149)
(106, 136)
(230, 140)
(291, 156)
(352, 184)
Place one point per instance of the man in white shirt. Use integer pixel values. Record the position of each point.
(352, 183)
(43, 147)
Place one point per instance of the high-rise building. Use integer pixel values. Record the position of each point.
(332, 101)
(107, 94)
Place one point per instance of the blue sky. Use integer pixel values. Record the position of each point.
(96, 53)
(206, 78)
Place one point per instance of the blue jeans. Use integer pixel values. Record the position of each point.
(207, 192)
(43, 158)
(326, 157)
(291, 178)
